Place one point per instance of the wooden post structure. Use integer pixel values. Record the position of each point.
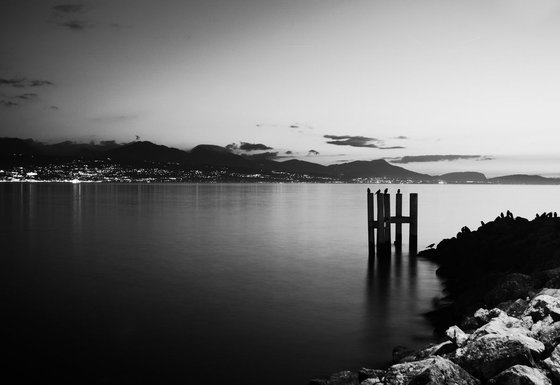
(413, 234)
(380, 224)
(387, 221)
(371, 238)
(398, 223)
(384, 219)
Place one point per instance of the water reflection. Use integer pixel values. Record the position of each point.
(396, 297)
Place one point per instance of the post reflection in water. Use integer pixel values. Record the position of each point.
(394, 300)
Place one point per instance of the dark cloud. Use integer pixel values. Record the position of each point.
(263, 155)
(8, 103)
(23, 82)
(401, 137)
(74, 25)
(253, 146)
(294, 126)
(354, 141)
(26, 96)
(436, 158)
(357, 141)
(15, 82)
(232, 146)
(288, 152)
(68, 8)
(312, 153)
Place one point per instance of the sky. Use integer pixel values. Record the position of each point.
(434, 86)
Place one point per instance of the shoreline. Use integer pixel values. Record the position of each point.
(499, 322)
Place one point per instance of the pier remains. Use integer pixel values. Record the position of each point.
(379, 228)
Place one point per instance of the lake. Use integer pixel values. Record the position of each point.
(241, 283)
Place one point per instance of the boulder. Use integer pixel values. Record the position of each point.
(514, 308)
(435, 371)
(553, 292)
(490, 354)
(542, 306)
(340, 378)
(432, 350)
(552, 363)
(365, 374)
(372, 381)
(457, 336)
(510, 287)
(521, 375)
(502, 325)
(540, 325)
(549, 336)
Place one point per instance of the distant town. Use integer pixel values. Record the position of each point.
(145, 162)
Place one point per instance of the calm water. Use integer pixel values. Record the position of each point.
(253, 284)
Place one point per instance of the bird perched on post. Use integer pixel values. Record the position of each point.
(398, 191)
(368, 190)
(385, 191)
(378, 192)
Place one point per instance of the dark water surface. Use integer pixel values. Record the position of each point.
(237, 283)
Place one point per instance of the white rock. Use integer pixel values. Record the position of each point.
(456, 335)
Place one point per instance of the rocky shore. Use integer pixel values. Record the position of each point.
(499, 322)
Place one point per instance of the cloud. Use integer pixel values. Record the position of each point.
(357, 141)
(68, 8)
(23, 82)
(312, 153)
(437, 158)
(8, 103)
(253, 146)
(75, 25)
(263, 155)
(26, 96)
(401, 137)
(288, 152)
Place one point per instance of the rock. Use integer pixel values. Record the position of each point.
(340, 378)
(553, 292)
(552, 363)
(502, 325)
(371, 381)
(432, 350)
(400, 352)
(490, 354)
(549, 336)
(515, 308)
(481, 316)
(540, 325)
(543, 305)
(365, 374)
(470, 323)
(457, 336)
(433, 371)
(521, 375)
(510, 287)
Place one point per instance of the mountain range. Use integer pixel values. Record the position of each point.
(27, 152)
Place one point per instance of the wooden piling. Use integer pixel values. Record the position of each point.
(413, 234)
(380, 221)
(398, 222)
(370, 213)
(387, 220)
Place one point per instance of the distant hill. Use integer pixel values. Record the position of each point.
(140, 152)
(379, 168)
(463, 177)
(524, 179)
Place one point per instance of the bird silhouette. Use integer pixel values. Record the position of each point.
(431, 245)
(398, 191)
(378, 192)
(385, 191)
(368, 190)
